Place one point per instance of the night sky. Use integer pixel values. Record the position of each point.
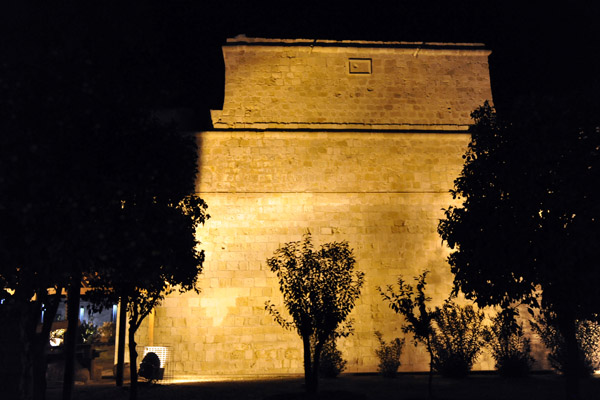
(549, 49)
(543, 50)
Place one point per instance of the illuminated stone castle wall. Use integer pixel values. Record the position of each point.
(356, 141)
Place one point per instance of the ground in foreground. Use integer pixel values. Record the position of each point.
(351, 387)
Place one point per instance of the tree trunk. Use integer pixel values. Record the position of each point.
(315, 367)
(568, 330)
(308, 379)
(41, 344)
(132, 359)
(121, 339)
(430, 379)
(15, 359)
(71, 334)
(39, 370)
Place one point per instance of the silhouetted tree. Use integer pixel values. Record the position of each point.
(411, 302)
(76, 141)
(588, 341)
(51, 195)
(452, 334)
(158, 255)
(319, 291)
(530, 215)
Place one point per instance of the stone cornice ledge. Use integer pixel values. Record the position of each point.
(242, 40)
(332, 126)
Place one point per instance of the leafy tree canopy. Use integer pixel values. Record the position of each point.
(530, 212)
(153, 253)
(79, 151)
(320, 289)
(411, 302)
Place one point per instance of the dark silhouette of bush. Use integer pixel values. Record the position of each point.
(458, 339)
(389, 356)
(332, 363)
(588, 341)
(526, 222)
(88, 333)
(411, 302)
(509, 346)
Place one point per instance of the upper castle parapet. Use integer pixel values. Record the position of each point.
(327, 84)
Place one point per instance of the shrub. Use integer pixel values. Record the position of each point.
(389, 356)
(410, 301)
(458, 339)
(107, 332)
(588, 336)
(508, 344)
(588, 339)
(331, 363)
(88, 332)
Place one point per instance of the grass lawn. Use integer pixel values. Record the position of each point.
(359, 387)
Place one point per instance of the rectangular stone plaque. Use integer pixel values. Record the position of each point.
(359, 66)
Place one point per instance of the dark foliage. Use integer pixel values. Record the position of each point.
(155, 253)
(529, 216)
(509, 346)
(77, 143)
(331, 363)
(107, 332)
(411, 302)
(88, 333)
(588, 341)
(458, 339)
(389, 356)
(319, 290)
(452, 334)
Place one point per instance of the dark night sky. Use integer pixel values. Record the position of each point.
(546, 50)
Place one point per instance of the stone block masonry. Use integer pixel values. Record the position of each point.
(310, 84)
(303, 144)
